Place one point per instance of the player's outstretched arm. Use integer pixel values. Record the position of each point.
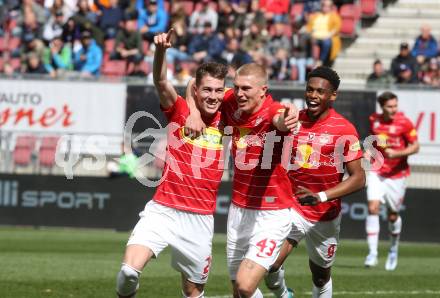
(194, 125)
(167, 93)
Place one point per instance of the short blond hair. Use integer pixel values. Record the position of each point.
(253, 69)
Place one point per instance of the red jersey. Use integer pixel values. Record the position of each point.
(395, 134)
(320, 150)
(260, 181)
(193, 168)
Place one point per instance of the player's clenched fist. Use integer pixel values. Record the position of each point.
(163, 40)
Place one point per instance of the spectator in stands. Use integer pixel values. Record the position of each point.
(301, 54)
(254, 41)
(226, 16)
(31, 7)
(68, 7)
(8, 70)
(239, 9)
(34, 65)
(58, 57)
(88, 58)
(31, 24)
(431, 76)
(128, 44)
(110, 18)
(280, 68)
(86, 20)
(180, 38)
(404, 66)
(425, 46)
(379, 76)
(199, 18)
(275, 11)
(54, 26)
(278, 40)
(233, 55)
(324, 28)
(31, 44)
(152, 20)
(206, 46)
(256, 16)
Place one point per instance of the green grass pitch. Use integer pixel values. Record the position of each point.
(84, 263)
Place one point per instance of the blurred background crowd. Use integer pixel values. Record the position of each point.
(89, 38)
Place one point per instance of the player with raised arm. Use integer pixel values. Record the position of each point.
(324, 146)
(181, 212)
(397, 139)
(260, 214)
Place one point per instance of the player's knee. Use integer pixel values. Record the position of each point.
(392, 217)
(127, 281)
(245, 289)
(373, 209)
(320, 281)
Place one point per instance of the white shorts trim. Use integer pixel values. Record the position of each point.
(322, 238)
(256, 235)
(388, 191)
(188, 234)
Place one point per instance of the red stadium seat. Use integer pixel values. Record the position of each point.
(114, 68)
(3, 45)
(24, 147)
(1, 64)
(369, 8)
(293, 73)
(350, 14)
(14, 43)
(15, 63)
(296, 11)
(48, 151)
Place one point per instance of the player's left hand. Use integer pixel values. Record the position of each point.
(306, 197)
(290, 116)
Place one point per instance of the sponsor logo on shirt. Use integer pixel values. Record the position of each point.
(212, 139)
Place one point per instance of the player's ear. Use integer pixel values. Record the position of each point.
(333, 95)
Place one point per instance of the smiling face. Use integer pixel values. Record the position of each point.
(209, 95)
(250, 92)
(319, 96)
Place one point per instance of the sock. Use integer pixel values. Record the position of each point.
(276, 283)
(395, 228)
(372, 227)
(257, 294)
(325, 292)
(200, 296)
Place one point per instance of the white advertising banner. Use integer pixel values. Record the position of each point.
(62, 107)
(423, 109)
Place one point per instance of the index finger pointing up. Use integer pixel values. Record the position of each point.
(169, 34)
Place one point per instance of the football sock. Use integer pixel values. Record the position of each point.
(257, 294)
(372, 227)
(395, 228)
(276, 283)
(325, 291)
(200, 296)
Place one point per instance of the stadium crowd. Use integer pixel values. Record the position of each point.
(114, 37)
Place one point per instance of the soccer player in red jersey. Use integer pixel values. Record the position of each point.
(396, 140)
(260, 214)
(181, 212)
(324, 146)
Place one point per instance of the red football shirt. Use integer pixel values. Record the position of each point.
(320, 150)
(395, 134)
(260, 181)
(193, 168)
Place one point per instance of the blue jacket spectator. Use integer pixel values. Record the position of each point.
(425, 46)
(207, 46)
(152, 20)
(88, 58)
